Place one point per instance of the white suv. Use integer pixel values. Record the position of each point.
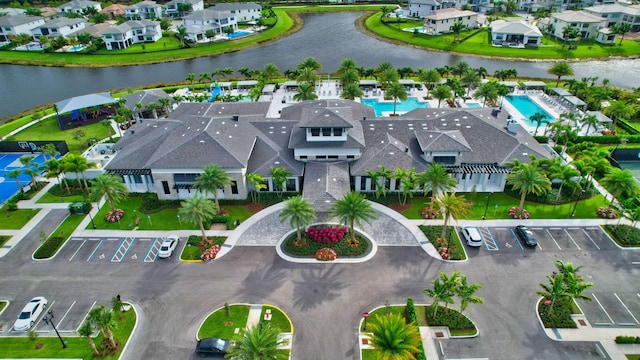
(168, 246)
(472, 235)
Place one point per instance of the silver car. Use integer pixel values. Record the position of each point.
(30, 314)
(168, 246)
(472, 235)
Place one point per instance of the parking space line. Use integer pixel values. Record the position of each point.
(66, 313)
(151, 257)
(87, 314)
(516, 238)
(556, 228)
(123, 249)
(76, 252)
(95, 250)
(574, 242)
(593, 228)
(554, 239)
(602, 307)
(594, 243)
(626, 308)
(49, 306)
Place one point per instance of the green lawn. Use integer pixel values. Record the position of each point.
(381, 312)
(51, 198)
(278, 319)
(633, 357)
(5, 129)
(585, 209)
(3, 304)
(77, 348)
(50, 130)
(477, 42)
(16, 219)
(191, 250)
(369, 354)
(220, 326)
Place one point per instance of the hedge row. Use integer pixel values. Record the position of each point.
(627, 339)
(413, 319)
(49, 247)
(624, 235)
(627, 127)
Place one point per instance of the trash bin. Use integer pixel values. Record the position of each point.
(78, 208)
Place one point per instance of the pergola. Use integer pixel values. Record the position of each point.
(560, 92)
(535, 84)
(84, 110)
(575, 102)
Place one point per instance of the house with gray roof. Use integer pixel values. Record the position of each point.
(618, 14)
(422, 8)
(515, 34)
(78, 6)
(442, 20)
(587, 24)
(147, 9)
(18, 24)
(198, 23)
(330, 146)
(131, 32)
(242, 11)
(174, 7)
(59, 27)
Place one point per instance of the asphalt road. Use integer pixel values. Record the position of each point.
(324, 301)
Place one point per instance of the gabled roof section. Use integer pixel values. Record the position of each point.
(390, 153)
(313, 118)
(145, 97)
(324, 183)
(439, 141)
(578, 16)
(515, 27)
(266, 156)
(16, 20)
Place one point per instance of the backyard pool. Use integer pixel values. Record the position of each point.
(238, 34)
(401, 106)
(527, 107)
(76, 48)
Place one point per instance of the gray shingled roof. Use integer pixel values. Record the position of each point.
(447, 141)
(145, 97)
(324, 183)
(235, 6)
(391, 154)
(16, 20)
(313, 118)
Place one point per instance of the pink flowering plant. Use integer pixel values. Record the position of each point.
(327, 235)
(115, 215)
(210, 253)
(326, 254)
(515, 213)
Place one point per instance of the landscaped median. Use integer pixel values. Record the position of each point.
(195, 248)
(56, 240)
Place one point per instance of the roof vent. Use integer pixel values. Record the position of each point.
(364, 118)
(201, 141)
(133, 132)
(406, 149)
(235, 117)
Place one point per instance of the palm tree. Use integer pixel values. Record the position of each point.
(591, 121)
(196, 210)
(205, 76)
(86, 331)
(351, 91)
(452, 206)
(471, 79)
(487, 91)
(398, 92)
(213, 178)
(443, 290)
(441, 92)
(257, 181)
(353, 209)
(569, 33)
(380, 178)
(560, 69)
(554, 290)
(392, 338)
(621, 182)
(154, 109)
(429, 78)
(279, 176)
(299, 212)
(306, 91)
(190, 78)
(103, 318)
(27, 162)
(460, 68)
(456, 29)
(346, 65)
(349, 76)
(619, 110)
(15, 174)
(538, 118)
(48, 149)
(566, 175)
(310, 63)
(407, 181)
(53, 169)
(258, 342)
(621, 29)
(77, 164)
(436, 180)
(111, 187)
(528, 179)
(465, 292)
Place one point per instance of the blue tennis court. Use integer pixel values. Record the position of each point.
(9, 162)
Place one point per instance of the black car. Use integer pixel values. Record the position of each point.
(212, 347)
(526, 235)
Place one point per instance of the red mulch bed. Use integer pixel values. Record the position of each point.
(399, 207)
(254, 207)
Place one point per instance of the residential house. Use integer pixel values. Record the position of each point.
(95, 30)
(78, 6)
(588, 24)
(422, 8)
(11, 11)
(173, 7)
(618, 14)
(515, 34)
(18, 24)
(327, 145)
(198, 23)
(241, 11)
(59, 27)
(144, 10)
(132, 32)
(114, 10)
(442, 20)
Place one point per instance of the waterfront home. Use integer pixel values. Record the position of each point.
(174, 7)
(242, 11)
(587, 24)
(78, 6)
(18, 24)
(59, 27)
(165, 156)
(199, 22)
(144, 10)
(131, 32)
(515, 34)
(618, 14)
(422, 8)
(442, 20)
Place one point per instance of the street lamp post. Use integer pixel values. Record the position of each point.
(180, 221)
(49, 321)
(573, 212)
(486, 207)
(91, 218)
(365, 315)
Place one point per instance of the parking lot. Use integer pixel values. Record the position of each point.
(115, 250)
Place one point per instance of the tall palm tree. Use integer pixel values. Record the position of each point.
(190, 77)
(27, 161)
(306, 91)
(538, 118)
(196, 210)
(487, 91)
(86, 331)
(528, 179)
(407, 182)
(256, 181)
(554, 290)
(48, 149)
(393, 339)
(429, 78)
(452, 206)
(77, 164)
(621, 29)
(465, 292)
(270, 71)
(15, 174)
(111, 187)
(154, 109)
(396, 91)
(441, 92)
(380, 178)
(351, 91)
(560, 69)
(621, 182)
(307, 75)
(349, 76)
(279, 176)
(103, 318)
(53, 169)
(388, 77)
(353, 209)
(310, 63)
(346, 65)
(566, 175)
(436, 180)
(165, 102)
(213, 178)
(470, 79)
(258, 342)
(299, 212)
(443, 290)
(591, 121)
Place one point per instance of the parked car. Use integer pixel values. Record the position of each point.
(168, 246)
(212, 347)
(526, 235)
(472, 235)
(30, 314)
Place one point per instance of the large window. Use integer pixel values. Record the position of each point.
(444, 159)
(165, 187)
(291, 184)
(234, 187)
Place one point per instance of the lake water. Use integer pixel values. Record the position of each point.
(328, 37)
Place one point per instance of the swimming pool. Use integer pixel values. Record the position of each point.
(473, 105)
(402, 106)
(527, 107)
(76, 48)
(238, 34)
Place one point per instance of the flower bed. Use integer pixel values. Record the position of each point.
(115, 215)
(210, 253)
(327, 235)
(309, 247)
(606, 212)
(514, 213)
(430, 213)
(326, 254)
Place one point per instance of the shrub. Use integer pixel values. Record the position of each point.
(49, 247)
(514, 213)
(221, 219)
(325, 254)
(625, 339)
(541, 139)
(561, 315)
(411, 312)
(326, 235)
(210, 253)
(309, 248)
(624, 234)
(448, 317)
(606, 212)
(11, 205)
(454, 247)
(430, 213)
